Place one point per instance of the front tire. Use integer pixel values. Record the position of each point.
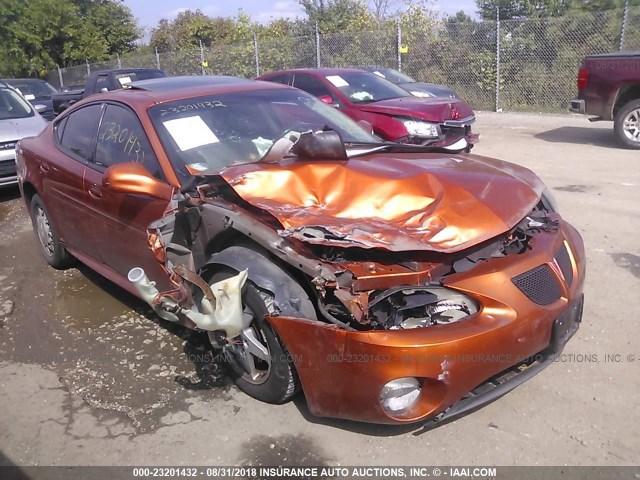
(258, 361)
(627, 124)
(48, 241)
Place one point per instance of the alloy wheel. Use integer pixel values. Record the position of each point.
(251, 351)
(631, 125)
(45, 234)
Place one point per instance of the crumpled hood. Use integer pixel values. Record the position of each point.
(15, 129)
(429, 109)
(401, 203)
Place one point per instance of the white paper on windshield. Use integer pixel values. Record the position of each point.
(30, 96)
(379, 74)
(190, 132)
(361, 96)
(337, 80)
(124, 80)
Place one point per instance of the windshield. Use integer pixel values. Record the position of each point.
(12, 105)
(392, 75)
(364, 87)
(210, 133)
(33, 88)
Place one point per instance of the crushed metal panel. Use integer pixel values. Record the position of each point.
(437, 203)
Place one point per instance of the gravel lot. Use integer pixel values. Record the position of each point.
(88, 376)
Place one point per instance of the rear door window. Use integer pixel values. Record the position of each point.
(78, 137)
(121, 139)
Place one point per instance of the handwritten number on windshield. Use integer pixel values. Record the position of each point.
(192, 106)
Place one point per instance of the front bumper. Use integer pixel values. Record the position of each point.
(578, 106)
(458, 136)
(343, 374)
(510, 378)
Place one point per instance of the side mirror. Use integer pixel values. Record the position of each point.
(326, 99)
(40, 108)
(366, 126)
(326, 145)
(135, 178)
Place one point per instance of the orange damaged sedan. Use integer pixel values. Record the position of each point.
(389, 283)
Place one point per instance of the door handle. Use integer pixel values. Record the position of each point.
(95, 192)
(44, 168)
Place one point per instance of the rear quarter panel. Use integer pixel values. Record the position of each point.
(27, 165)
(60, 183)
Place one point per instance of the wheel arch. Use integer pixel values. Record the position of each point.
(626, 94)
(290, 297)
(28, 192)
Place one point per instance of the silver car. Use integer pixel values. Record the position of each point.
(18, 120)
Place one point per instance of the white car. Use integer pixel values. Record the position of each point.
(18, 119)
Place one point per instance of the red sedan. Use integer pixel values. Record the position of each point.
(393, 113)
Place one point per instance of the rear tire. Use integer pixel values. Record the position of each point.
(48, 240)
(627, 124)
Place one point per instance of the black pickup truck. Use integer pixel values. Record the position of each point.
(104, 81)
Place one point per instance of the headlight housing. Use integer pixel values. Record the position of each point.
(549, 201)
(408, 307)
(421, 129)
(400, 395)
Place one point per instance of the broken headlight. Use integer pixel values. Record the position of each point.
(414, 307)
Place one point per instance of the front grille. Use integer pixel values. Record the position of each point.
(539, 284)
(8, 145)
(564, 262)
(7, 168)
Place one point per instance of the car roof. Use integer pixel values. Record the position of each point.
(126, 70)
(171, 83)
(318, 71)
(145, 93)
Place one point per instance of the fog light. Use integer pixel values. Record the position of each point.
(400, 395)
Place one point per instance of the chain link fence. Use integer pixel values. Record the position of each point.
(517, 65)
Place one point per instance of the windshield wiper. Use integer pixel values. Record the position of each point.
(393, 147)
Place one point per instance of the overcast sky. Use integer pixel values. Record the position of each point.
(148, 12)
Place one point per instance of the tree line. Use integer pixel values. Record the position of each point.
(39, 34)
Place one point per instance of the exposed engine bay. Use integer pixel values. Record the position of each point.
(354, 288)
